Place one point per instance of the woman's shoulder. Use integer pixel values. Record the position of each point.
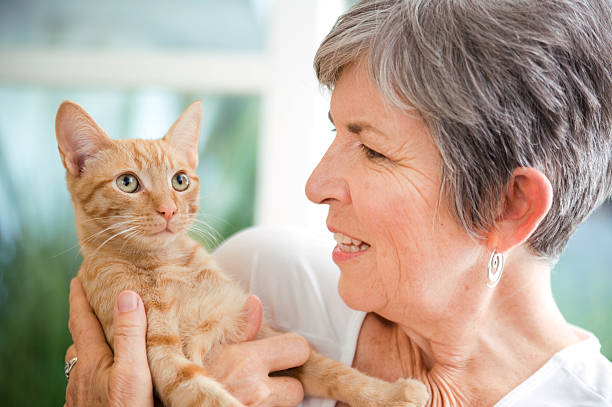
(293, 275)
(576, 375)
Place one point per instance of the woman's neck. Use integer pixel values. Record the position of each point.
(517, 330)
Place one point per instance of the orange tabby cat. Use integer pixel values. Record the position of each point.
(133, 202)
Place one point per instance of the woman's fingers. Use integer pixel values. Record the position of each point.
(268, 391)
(83, 325)
(70, 353)
(285, 391)
(244, 369)
(89, 376)
(282, 351)
(272, 391)
(70, 390)
(98, 378)
(130, 379)
(130, 328)
(261, 356)
(254, 317)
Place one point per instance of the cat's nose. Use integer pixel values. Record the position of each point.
(167, 211)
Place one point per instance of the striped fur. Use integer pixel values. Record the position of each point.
(192, 306)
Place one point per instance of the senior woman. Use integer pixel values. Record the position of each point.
(473, 137)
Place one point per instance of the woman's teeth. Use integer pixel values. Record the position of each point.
(346, 244)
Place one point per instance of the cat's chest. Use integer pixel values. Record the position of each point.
(197, 301)
(185, 290)
(174, 283)
(177, 277)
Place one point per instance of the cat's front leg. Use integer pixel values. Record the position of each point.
(178, 381)
(324, 377)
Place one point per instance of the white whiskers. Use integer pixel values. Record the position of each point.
(108, 217)
(92, 236)
(205, 231)
(128, 237)
(104, 230)
(100, 232)
(130, 227)
(112, 237)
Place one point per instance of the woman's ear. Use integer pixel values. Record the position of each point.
(78, 136)
(185, 133)
(527, 201)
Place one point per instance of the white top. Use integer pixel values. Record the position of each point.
(578, 375)
(296, 280)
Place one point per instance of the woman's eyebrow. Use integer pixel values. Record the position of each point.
(358, 127)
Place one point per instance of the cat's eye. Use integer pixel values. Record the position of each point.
(180, 181)
(127, 183)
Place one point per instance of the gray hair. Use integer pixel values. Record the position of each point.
(501, 84)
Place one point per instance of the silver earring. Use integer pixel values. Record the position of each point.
(495, 268)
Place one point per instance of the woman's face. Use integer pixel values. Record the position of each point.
(381, 179)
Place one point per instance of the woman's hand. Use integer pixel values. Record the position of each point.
(244, 368)
(98, 378)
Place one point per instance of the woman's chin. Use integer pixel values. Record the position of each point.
(359, 296)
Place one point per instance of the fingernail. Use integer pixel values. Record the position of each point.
(127, 301)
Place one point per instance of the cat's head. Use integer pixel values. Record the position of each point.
(139, 193)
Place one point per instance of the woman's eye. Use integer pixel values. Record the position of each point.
(127, 183)
(180, 181)
(371, 154)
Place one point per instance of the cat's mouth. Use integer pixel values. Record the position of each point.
(163, 231)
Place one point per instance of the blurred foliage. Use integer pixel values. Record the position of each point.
(36, 263)
(34, 320)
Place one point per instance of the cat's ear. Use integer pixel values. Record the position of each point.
(185, 133)
(78, 136)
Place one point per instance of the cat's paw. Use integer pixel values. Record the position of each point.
(407, 393)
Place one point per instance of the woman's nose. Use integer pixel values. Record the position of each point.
(327, 182)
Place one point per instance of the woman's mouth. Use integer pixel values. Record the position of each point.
(348, 248)
(350, 245)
